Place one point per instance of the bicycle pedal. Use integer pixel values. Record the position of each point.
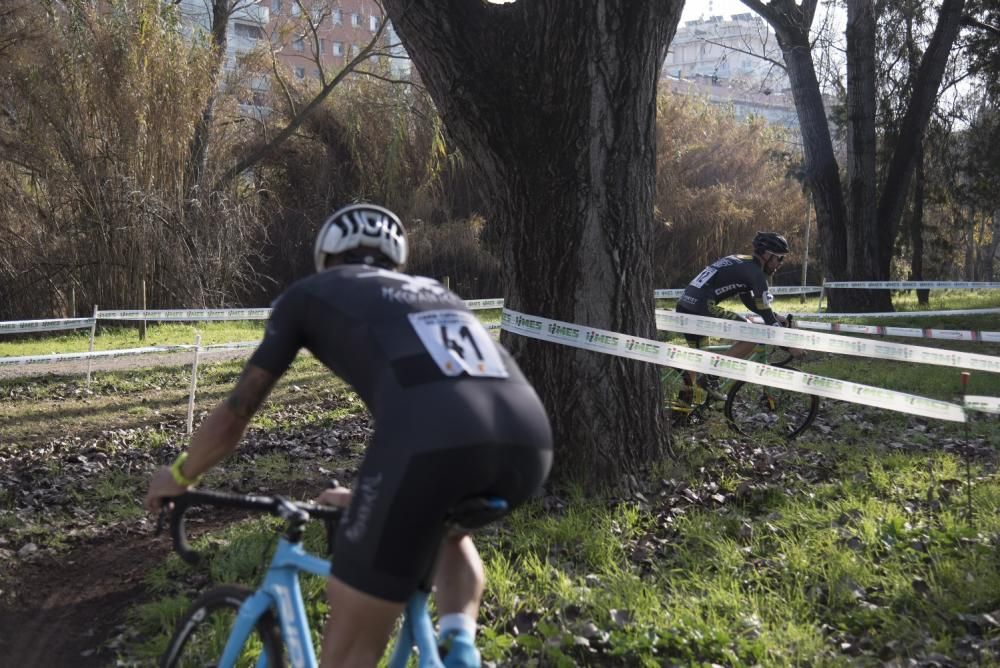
(711, 388)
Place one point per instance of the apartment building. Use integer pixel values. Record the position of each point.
(737, 50)
(311, 37)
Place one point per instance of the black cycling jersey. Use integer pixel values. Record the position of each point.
(732, 275)
(381, 331)
(454, 416)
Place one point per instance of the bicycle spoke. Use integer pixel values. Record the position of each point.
(758, 411)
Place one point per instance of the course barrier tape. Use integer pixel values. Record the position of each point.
(830, 343)
(22, 326)
(913, 285)
(479, 304)
(900, 314)
(983, 404)
(72, 357)
(880, 330)
(674, 293)
(187, 314)
(692, 359)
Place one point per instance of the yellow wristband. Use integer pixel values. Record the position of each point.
(178, 475)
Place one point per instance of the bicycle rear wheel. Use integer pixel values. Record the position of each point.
(758, 411)
(201, 633)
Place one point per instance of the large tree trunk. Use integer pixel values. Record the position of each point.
(553, 102)
(862, 230)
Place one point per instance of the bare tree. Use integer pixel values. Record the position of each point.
(857, 224)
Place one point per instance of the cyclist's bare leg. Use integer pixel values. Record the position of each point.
(459, 579)
(358, 628)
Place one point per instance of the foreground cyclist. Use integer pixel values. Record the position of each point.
(735, 275)
(454, 418)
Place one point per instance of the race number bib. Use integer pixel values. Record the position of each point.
(459, 343)
(704, 277)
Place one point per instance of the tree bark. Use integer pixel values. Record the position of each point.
(553, 103)
(862, 196)
(917, 228)
(198, 160)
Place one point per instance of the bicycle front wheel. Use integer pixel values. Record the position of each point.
(758, 411)
(201, 633)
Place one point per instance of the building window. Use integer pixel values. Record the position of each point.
(300, 72)
(296, 8)
(248, 31)
(337, 17)
(322, 45)
(337, 48)
(319, 75)
(355, 20)
(373, 23)
(355, 50)
(317, 16)
(276, 6)
(299, 44)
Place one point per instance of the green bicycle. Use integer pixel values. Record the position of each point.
(755, 411)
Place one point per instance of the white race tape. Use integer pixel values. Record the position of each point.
(188, 314)
(949, 334)
(479, 304)
(983, 404)
(912, 285)
(21, 326)
(692, 359)
(71, 357)
(674, 293)
(830, 343)
(230, 346)
(232, 314)
(900, 314)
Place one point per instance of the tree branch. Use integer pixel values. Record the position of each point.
(263, 151)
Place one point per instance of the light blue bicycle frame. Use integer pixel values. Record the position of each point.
(281, 592)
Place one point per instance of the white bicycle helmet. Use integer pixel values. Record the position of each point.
(361, 226)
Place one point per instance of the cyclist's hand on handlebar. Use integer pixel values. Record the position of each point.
(161, 485)
(335, 496)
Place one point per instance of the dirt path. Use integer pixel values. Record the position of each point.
(67, 609)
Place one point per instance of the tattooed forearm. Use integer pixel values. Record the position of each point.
(252, 388)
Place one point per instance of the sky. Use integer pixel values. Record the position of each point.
(694, 9)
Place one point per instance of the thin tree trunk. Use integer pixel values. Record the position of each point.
(917, 228)
(918, 113)
(199, 148)
(553, 102)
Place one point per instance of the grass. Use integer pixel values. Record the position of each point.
(878, 562)
(851, 547)
(118, 336)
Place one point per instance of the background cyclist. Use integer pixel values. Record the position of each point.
(742, 275)
(454, 418)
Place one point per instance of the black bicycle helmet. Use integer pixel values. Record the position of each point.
(770, 241)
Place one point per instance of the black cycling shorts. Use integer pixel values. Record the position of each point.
(712, 310)
(412, 475)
